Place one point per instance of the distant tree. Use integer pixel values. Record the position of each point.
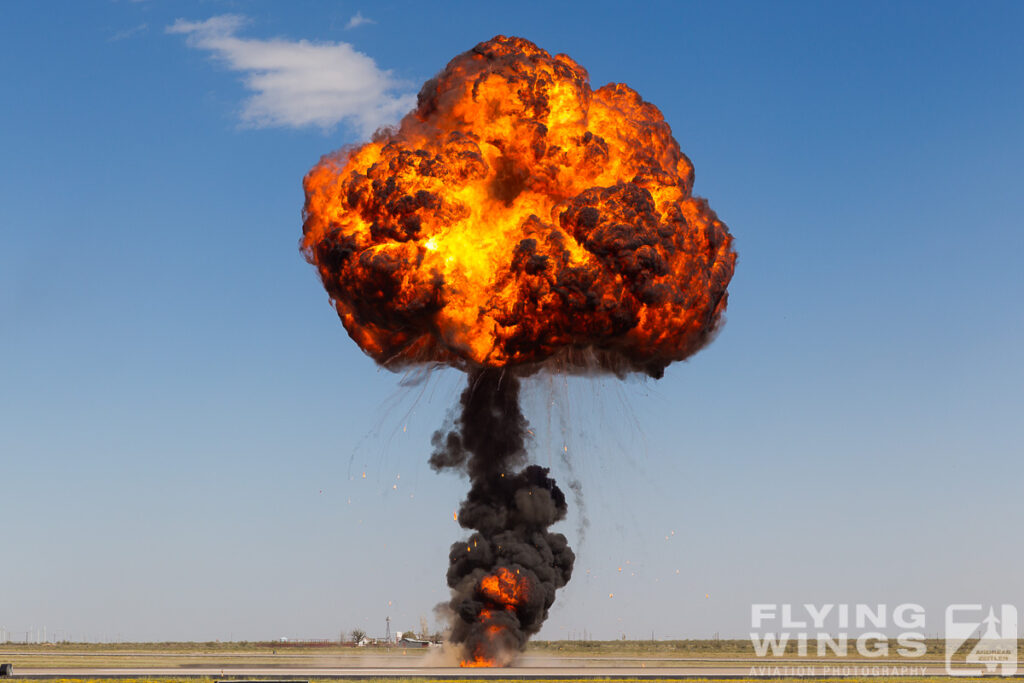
(357, 635)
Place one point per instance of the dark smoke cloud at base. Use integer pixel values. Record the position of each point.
(510, 511)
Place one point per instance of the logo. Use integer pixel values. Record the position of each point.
(979, 643)
(881, 640)
(838, 630)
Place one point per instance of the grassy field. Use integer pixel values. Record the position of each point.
(873, 679)
(694, 648)
(172, 653)
(678, 648)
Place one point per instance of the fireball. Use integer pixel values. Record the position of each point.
(517, 217)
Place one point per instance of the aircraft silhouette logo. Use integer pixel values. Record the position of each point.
(995, 651)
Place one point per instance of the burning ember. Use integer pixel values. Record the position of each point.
(516, 220)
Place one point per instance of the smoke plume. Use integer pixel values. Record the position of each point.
(503, 578)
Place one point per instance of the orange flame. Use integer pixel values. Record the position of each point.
(518, 216)
(505, 589)
(478, 661)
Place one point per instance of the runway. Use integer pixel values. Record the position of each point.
(232, 665)
(734, 671)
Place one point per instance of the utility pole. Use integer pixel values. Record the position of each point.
(387, 629)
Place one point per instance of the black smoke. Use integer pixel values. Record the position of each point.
(509, 510)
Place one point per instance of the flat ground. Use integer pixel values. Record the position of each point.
(555, 660)
(428, 679)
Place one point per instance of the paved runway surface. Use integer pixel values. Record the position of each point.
(306, 666)
(733, 671)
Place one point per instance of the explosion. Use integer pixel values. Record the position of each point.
(516, 220)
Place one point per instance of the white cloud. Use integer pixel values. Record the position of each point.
(127, 33)
(299, 83)
(358, 20)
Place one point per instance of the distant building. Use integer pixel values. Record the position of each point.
(413, 642)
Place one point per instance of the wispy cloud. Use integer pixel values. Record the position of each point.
(358, 20)
(299, 83)
(127, 33)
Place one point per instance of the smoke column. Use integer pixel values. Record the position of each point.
(504, 577)
(516, 221)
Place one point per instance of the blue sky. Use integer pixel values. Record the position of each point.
(185, 426)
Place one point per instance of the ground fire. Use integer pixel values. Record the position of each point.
(516, 221)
